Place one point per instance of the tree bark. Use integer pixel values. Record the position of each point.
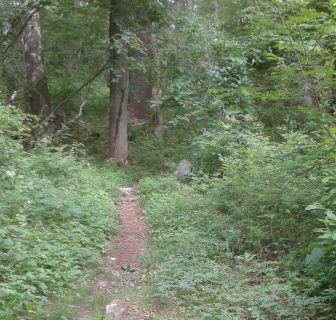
(35, 71)
(157, 95)
(118, 142)
(140, 88)
(140, 92)
(118, 115)
(156, 91)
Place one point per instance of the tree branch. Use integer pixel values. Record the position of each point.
(16, 37)
(22, 94)
(79, 115)
(71, 95)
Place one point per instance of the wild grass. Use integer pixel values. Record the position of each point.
(195, 265)
(56, 212)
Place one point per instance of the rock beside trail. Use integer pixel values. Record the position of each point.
(116, 310)
(160, 131)
(183, 170)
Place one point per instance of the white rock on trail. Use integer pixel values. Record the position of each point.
(126, 190)
(116, 310)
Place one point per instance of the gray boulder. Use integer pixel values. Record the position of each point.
(183, 170)
(160, 131)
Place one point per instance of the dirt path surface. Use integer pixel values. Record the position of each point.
(121, 291)
(129, 242)
(122, 265)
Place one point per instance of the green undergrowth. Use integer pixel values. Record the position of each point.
(193, 262)
(56, 212)
(160, 154)
(81, 302)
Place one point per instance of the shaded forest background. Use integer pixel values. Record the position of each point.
(244, 90)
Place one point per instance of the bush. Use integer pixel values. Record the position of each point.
(195, 266)
(265, 185)
(55, 212)
(321, 259)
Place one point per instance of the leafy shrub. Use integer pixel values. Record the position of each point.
(55, 212)
(321, 259)
(265, 185)
(195, 266)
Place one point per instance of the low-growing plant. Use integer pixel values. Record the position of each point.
(321, 257)
(265, 185)
(196, 267)
(56, 212)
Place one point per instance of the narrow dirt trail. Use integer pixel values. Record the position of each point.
(131, 237)
(129, 242)
(120, 291)
(122, 264)
(122, 272)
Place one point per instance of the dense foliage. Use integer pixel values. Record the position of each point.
(200, 266)
(246, 91)
(56, 212)
(247, 216)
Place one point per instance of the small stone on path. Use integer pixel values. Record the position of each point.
(116, 310)
(126, 190)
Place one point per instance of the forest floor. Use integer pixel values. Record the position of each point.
(121, 290)
(122, 265)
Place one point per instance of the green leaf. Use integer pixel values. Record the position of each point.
(313, 207)
(326, 179)
(29, 307)
(331, 215)
(313, 245)
(128, 269)
(9, 242)
(10, 174)
(315, 256)
(115, 273)
(325, 197)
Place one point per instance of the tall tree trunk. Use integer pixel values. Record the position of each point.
(157, 95)
(140, 89)
(118, 143)
(140, 92)
(35, 71)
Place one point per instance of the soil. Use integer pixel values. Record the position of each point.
(122, 265)
(122, 270)
(129, 242)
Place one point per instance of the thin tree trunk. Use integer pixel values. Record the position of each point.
(156, 91)
(157, 95)
(118, 143)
